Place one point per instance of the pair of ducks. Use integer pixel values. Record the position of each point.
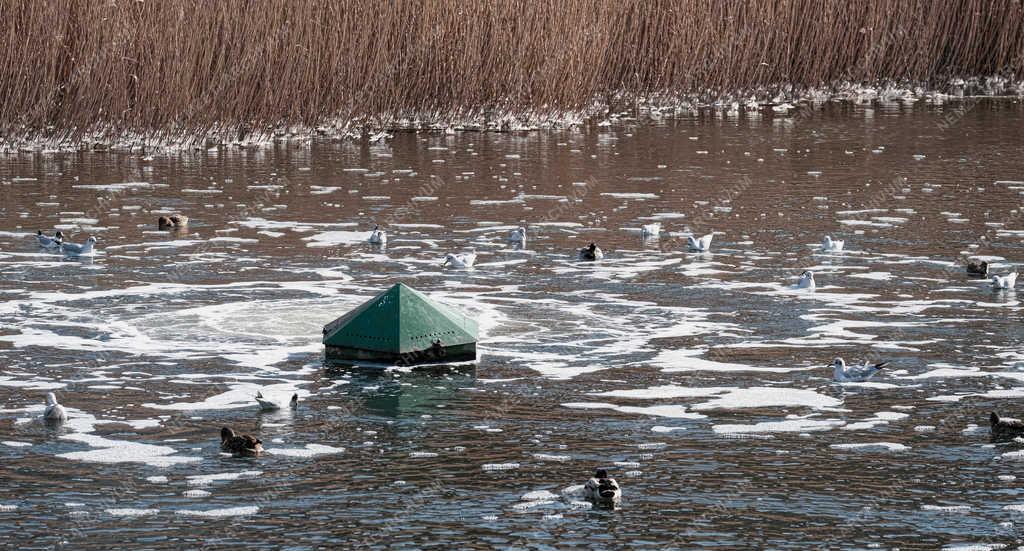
(57, 243)
(703, 244)
(246, 445)
(980, 269)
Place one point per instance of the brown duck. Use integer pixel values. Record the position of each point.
(1005, 429)
(172, 222)
(239, 444)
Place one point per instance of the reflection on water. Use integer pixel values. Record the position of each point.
(699, 380)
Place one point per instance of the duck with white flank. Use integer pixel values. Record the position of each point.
(601, 489)
(977, 269)
(806, 280)
(591, 252)
(274, 405)
(1007, 281)
(856, 373)
(518, 236)
(1005, 428)
(830, 246)
(72, 249)
(461, 260)
(650, 230)
(378, 236)
(240, 444)
(54, 412)
(701, 245)
(48, 242)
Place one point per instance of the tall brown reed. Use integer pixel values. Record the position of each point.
(191, 66)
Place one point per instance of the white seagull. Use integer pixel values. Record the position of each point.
(54, 412)
(806, 280)
(378, 236)
(830, 246)
(702, 245)
(462, 260)
(650, 230)
(48, 242)
(518, 235)
(1007, 281)
(854, 374)
(73, 249)
(272, 405)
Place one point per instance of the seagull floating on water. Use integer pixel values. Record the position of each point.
(591, 252)
(830, 246)
(54, 412)
(462, 260)
(48, 242)
(73, 249)
(806, 280)
(239, 444)
(1007, 281)
(650, 230)
(272, 405)
(1005, 428)
(702, 245)
(601, 489)
(518, 235)
(378, 236)
(977, 269)
(854, 374)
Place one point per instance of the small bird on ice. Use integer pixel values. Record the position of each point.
(462, 260)
(72, 249)
(806, 280)
(272, 405)
(54, 412)
(702, 245)
(378, 236)
(1007, 281)
(48, 242)
(854, 374)
(650, 230)
(830, 246)
(518, 235)
(601, 489)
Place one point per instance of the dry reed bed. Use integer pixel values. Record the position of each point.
(186, 67)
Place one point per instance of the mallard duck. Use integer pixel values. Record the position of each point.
(702, 245)
(1007, 281)
(806, 280)
(854, 374)
(1005, 428)
(462, 260)
(591, 252)
(830, 246)
(977, 269)
(240, 444)
(602, 489)
(173, 221)
(650, 230)
(48, 242)
(72, 249)
(272, 405)
(54, 412)
(378, 236)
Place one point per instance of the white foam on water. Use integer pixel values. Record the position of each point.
(790, 425)
(311, 450)
(538, 495)
(132, 512)
(664, 429)
(207, 479)
(7, 507)
(499, 466)
(337, 237)
(678, 412)
(120, 451)
(639, 196)
(552, 457)
(872, 446)
(14, 444)
(422, 455)
(769, 397)
(220, 513)
(123, 186)
(196, 493)
(947, 508)
(159, 479)
(683, 360)
(664, 391)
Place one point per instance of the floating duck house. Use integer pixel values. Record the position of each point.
(401, 326)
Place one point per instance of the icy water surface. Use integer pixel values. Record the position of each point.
(697, 379)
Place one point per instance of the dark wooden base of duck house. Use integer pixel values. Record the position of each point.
(445, 354)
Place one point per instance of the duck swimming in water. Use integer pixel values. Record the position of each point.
(701, 245)
(1005, 428)
(591, 252)
(272, 405)
(378, 236)
(54, 412)
(601, 489)
(72, 249)
(240, 444)
(977, 269)
(172, 222)
(48, 242)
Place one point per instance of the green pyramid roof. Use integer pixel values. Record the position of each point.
(398, 321)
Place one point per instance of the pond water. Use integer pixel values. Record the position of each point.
(697, 379)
